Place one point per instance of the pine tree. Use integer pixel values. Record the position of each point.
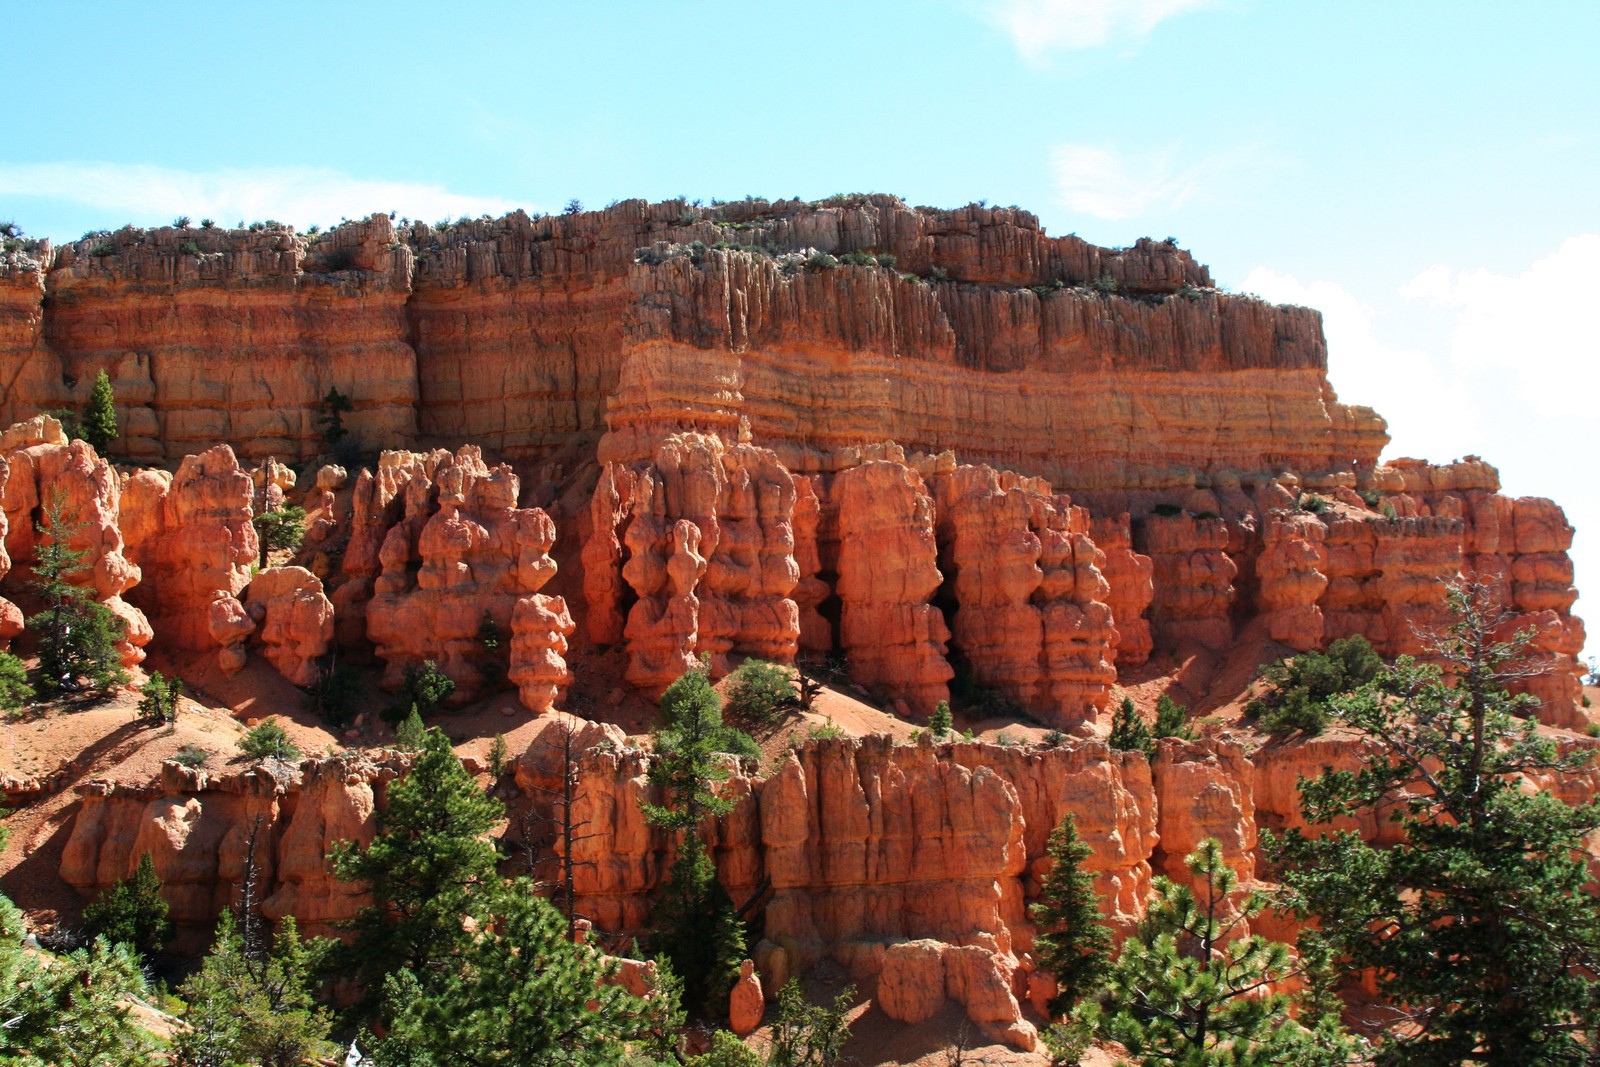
(519, 993)
(411, 732)
(73, 1012)
(1073, 944)
(254, 1007)
(807, 1035)
(15, 692)
(132, 912)
(940, 722)
(100, 417)
(696, 926)
(424, 868)
(283, 527)
(1172, 719)
(1485, 875)
(77, 635)
(1186, 990)
(334, 406)
(1129, 733)
(268, 740)
(158, 703)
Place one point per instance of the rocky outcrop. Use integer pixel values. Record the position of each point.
(1193, 579)
(1291, 572)
(701, 540)
(888, 572)
(1132, 587)
(456, 569)
(293, 620)
(45, 474)
(191, 534)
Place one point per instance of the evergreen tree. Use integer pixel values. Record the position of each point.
(1172, 719)
(807, 1035)
(940, 722)
(1481, 925)
(334, 407)
(283, 527)
(518, 993)
(1129, 733)
(727, 1051)
(132, 912)
(1302, 687)
(72, 1012)
(424, 868)
(411, 732)
(697, 929)
(1073, 944)
(1186, 990)
(254, 1006)
(268, 740)
(100, 417)
(15, 692)
(158, 703)
(77, 635)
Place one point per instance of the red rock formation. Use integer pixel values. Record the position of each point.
(702, 536)
(746, 1004)
(11, 620)
(888, 571)
(464, 554)
(44, 471)
(1290, 570)
(294, 618)
(191, 534)
(540, 627)
(1130, 577)
(1193, 578)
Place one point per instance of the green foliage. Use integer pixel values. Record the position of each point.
(1187, 990)
(75, 1012)
(758, 691)
(410, 732)
(1172, 720)
(1073, 944)
(1303, 686)
(423, 868)
(269, 741)
(332, 695)
(940, 722)
(492, 663)
(1484, 875)
(100, 416)
(696, 926)
(191, 756)
(424, 688)
(520, 993)
(282, 527)
(808, 1035)
(499, 755)
(131, 912)
(77, 635)
(253, 1005)
(158, 704)
(1167, 511)
(1054, 738)
(331, 412)
(727, 1051)
(15, 692)
(1129, 732)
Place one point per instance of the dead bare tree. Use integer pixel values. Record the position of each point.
(559, 740)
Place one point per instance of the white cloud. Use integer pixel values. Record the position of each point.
(297, 195)
(1038, 27)
(1427, 408)
(1110, 184)
(1534, 330)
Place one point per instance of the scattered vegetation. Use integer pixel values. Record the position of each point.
(77, 635)
(131, 912)
(192, 756)
(758, 692)
(1304, 686)
(158, 704)
(499, 756)
(15, 692)
(1129, 732)
(1172, 720)
(1313, 503)
(282, 527)
(424, 689)
(269, 741)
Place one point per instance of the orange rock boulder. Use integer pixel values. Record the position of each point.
(294, 620)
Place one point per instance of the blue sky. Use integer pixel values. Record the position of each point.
(1424, 172)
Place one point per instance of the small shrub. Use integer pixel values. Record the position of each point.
(574, 207)
(1593, 729)
(499, 755)
(1129, 732)
(14, 688)
(191, 756)
(269, 741)
(1004, 739)
(281, 528)
(101, 250)
(1313, 503)
(1303, 686)
(1106, 284)
(819, 261)
(940, 722)
(1166, 511)
(158, 703)
(886, 260)
(425, 688)
(827, 730)
(409, 734)
(758, 691)
(190, 248)
(1055, 738)
(1189, 292)
(1172, 720)
(208, 224)
(858, 259)
(1388, 511)
(938, 274)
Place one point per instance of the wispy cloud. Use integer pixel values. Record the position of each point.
(1110, 184)
(297, 195)
(1039, 27)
